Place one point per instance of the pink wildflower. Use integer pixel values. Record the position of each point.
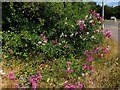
(66, 83)
(90, 67)
(85, 51)
(101, 55)
(90, 59)
(67, 86)
(16, 85)
(72, 86)
(39, 77)
(38, 72)
(80, 85)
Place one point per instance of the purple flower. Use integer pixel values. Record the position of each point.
(81, 27)
(90, 67)
(12, 78)
(16, 85)
(38, 72)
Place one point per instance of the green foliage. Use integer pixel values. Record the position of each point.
(56, 21)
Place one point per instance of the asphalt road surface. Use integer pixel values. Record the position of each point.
(114, 27)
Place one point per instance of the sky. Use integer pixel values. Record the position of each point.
(108, 2)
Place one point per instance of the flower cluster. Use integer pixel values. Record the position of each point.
(81, 24)
(11, 76)
(34, 79)
(44, 40)
(68, 86)
(68, 68)
(108, 34)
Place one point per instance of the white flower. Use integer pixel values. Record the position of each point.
(87, 33)
(39, 42)
(90, 17)
(43, 44)
(91, 21)
(83, 74)
(65, 35)
(93, 37)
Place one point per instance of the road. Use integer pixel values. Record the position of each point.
(113, 26)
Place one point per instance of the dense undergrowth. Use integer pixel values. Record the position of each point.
(68, 51)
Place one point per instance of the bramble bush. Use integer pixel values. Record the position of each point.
(54, 31)
(24, 22)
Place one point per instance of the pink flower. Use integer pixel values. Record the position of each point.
(90, 59)
(80, 22)
(38, 72)
(39, 77)
(45, 41)
(103, 49)
(41, 35)
(30, 80)
(67, 86)
(80, 85)
(12, 78)
(52, 32)
(81, 27)
(90, 53)
(68, 63)
(72, 86)
(101, 55)
(16, 85)
(85, 51)
(54, 42)
(11, 74)
(33, 76)
(66, 83)
(34, 85)
(69, 70)
(85, 67)
(90, 67)
(97, 50)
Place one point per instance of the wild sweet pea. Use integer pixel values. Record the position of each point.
(90, 59)
(80, 85)
(107, 33)
(16, 85)
(85, 51)
(85, 66)
(11, 75)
